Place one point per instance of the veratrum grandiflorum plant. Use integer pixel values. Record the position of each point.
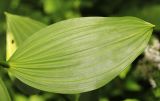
(72, 56)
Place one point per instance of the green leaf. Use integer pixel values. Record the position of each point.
(51, 6)
(3, 92)
(18, 30)
(80, 54)
(123, 74)
(142, 12)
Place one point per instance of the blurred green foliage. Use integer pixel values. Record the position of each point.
(129, 86)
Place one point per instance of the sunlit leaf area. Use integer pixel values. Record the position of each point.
(79, 50)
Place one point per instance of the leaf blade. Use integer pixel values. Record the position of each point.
(3, 92)
(18, 30)
(80, 55)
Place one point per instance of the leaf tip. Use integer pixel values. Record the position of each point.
(10, 15)
(151, 25)
(7, 13)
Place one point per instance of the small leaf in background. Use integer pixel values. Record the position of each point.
(157, 92)
(4, 95)
(123, 74)
(130, 99)
(51, 6)
(19, 97)
(103, 99)
(132, 85)
(18, 30)
(79, 55)
(62, 9)
(36, 98)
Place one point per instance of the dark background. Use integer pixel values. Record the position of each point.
(139, 82)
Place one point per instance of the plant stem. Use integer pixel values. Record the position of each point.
(77, 97)
(4, 64)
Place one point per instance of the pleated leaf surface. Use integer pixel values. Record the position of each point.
(81, 54)
(19, 28)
